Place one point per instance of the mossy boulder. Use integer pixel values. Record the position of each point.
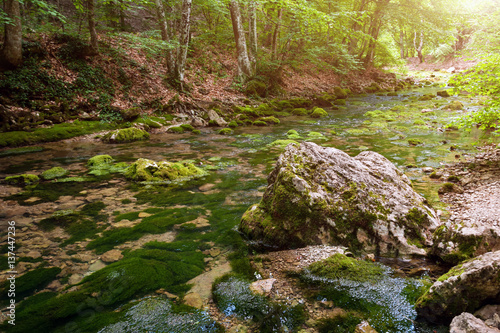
(145, 170)
(130, 114)
(300, 112)
(259, 123)
(176, 129)
(225, 131)
(270, 120)
(340, 102)
(319, 195)
(465, 288)
(125, 135)
(340, 93)
(443, 93)
(24, 179)
(455, 106)
(53, 173)
(100, 162)
(318, 113)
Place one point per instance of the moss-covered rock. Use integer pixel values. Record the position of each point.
(100, 162)
(340, 102)
(465, 288)
(24, 179)
(300, 112)
(455, 106)
(443, 93)
(176, 129)
(53, 173)
(341, 93)
(232, 124)
(270, 120)
(318, 195)
(415, 142)
(125, 135)
(225, 131)
(318, 113)
(340, 266)
(150, 171)
(259, 123)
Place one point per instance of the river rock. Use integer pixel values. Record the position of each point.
(364, 327)
(214, 116)
(262, 287)
(319, 195)
(112, 256)
(467, 323)
(490, 314)
(466, 287)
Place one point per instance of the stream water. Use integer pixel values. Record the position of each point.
(200, 215)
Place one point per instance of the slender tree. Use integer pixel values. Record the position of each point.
(244, 66)
(94, 43)
(183, 40)
(11, 52)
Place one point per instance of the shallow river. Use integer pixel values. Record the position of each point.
(107, 212)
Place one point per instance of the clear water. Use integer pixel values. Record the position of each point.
(238, 175)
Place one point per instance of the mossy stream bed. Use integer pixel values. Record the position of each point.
(168, 234)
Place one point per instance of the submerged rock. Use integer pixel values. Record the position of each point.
(151, 171)
(318, 195)
(466, 287)
(24, 179)
(53, 173)
(125, 135)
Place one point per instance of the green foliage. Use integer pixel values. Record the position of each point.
(482, 79)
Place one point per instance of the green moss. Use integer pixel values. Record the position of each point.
(53, 173)
(124, 135)
(151, 171)
(340, 102)
(315, 135)
(318, 113)
(259, 123)
(187, 127)
(21, 150)
(269, 120)
(453, 179)
(300, 112)
(340, 266)
(55, 133)
(30, 281)
(225, 131)
(415, 142)
(100, 162)
(455, 105)
(24, 179)
(232, 124)
(131, 216)
(281, 143)
(160, 222)
(446, 188)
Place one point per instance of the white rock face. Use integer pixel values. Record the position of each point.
(319, 195)
(466, 287)
(467, 323)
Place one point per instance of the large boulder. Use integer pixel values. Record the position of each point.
(465, 288)
(318, 195)
(467, 323)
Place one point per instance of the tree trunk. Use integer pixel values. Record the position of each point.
(171, 51)
(122, 15)
(162, 21)
(183, 40)
(420, 46)
(244, 66)
(374, 31)
(252, 31)
(11, 54)
(402, 43)
(94, 46)
(276, 34)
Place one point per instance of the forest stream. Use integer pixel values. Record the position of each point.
(105, 241)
